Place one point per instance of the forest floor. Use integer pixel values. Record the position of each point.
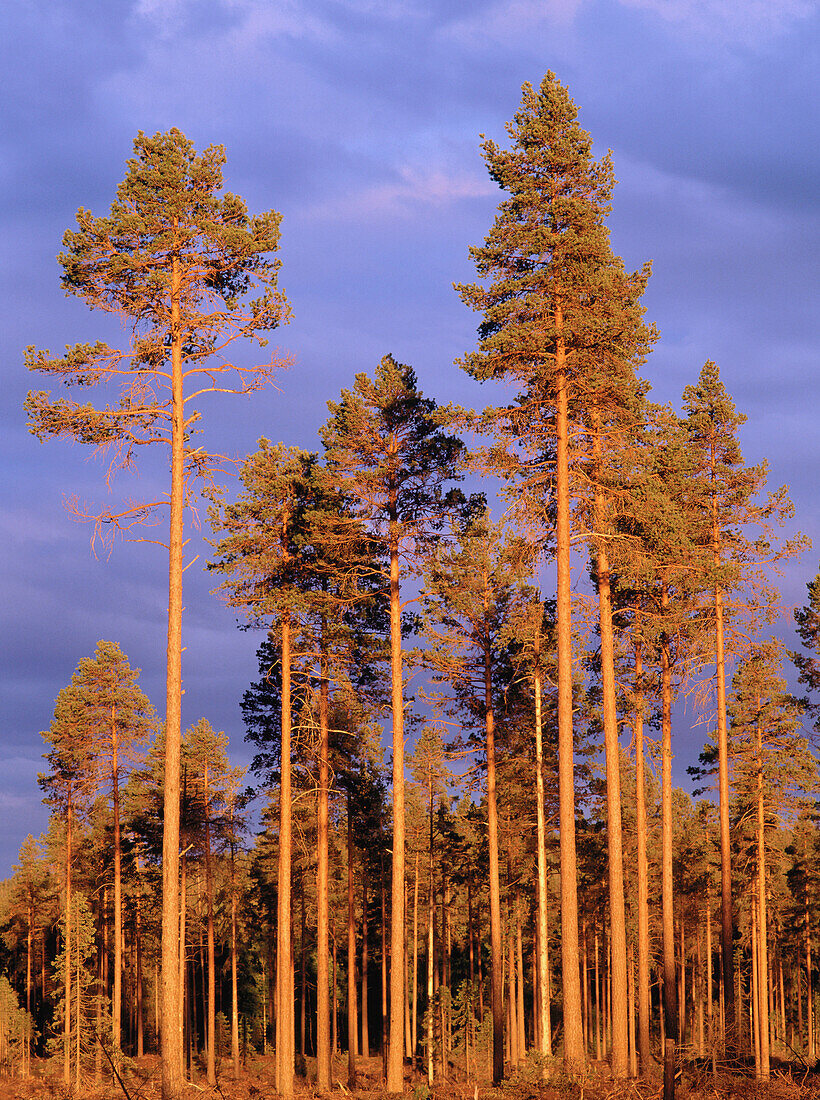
(140, 1081)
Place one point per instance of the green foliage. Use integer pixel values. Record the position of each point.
(16, 1029)
(84, 988)
(385, 442)
(190, 272)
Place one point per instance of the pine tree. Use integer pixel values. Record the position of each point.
(386, 442)
(772, 765)
(177, 262)
(117, 718)
(732, 508)
(558, 302)
(69, 787)
(470, 591)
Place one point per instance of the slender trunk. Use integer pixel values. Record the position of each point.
(234, 976)
(710, 1030)
(138, 937)
(763, 964)
(78, 1002)
(334, 1033)
(431, 913)
(644, 1042)
(182, 976)
(383, 1043)
(670, 1008)
(210, 1029)
(171, 989)
(519, 962)
(415, 1014)
(284, 948)
(302, 971)
(408, 1026)
(323, 1046)
(365, 1001)
(809, 987)
(617, 908)
(395, 1066)
(633, 1054)
(754, 1000)
(495, 894)
(544, 1026)
(352, 1012)
(699, 990)
(116, 1000)
(512, 1006)
(599, 1053)
(27, 1044)
(727, 935)
(586, 1018)
(573, 1037)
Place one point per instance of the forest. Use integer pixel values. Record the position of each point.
(457, 865)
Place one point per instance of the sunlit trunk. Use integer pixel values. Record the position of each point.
(573, 1036)
(323, 1046)
(171, 1045)
(395, 1061)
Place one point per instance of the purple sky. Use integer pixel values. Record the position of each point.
(359, 120)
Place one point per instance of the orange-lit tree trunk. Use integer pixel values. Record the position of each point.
(284, 947)
(352, 1012)
(497, 973)
(544, 1025)
(171, 1039)
(763, 956)
(323, 1052)
(670, 1006)
(644, 1046)
(570, 962)
(395, 1056)
(617, 909)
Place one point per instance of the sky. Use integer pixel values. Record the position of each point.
(360, 121)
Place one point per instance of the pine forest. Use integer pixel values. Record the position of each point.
(458, 864)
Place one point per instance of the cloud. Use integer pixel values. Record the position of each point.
(507, 21)
(747, 22)
(415, 186)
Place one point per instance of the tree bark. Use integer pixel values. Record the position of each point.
(171, 1046)
(617, 909)
(670, 1008)
(573, 1037)
(495, 893)
(210, 1054)
(763, 963)
(116, 1000)
(323, 1051)
(352, 1012)
(644, 1042)
(284, 948)
(544, 1026)
(395, 1060)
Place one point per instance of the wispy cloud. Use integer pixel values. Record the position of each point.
(747, 22)
(415, 187)
(507, 21)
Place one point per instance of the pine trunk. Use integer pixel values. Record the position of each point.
(495, 893)
(763, 957)
(210, 1030)
(395, 1060)
(644, 1042)
(352, 1011)
(323, 1046)
(171, 1046)
(284, 948)
(670, 1008)
(544, 1026)
(573, 1035)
